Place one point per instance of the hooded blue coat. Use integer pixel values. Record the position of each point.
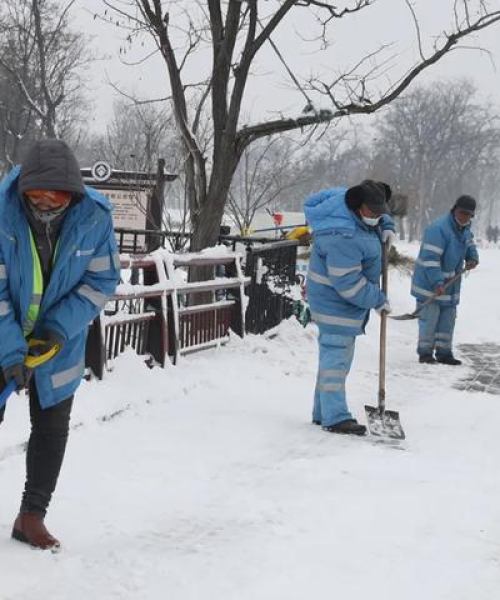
(444, 249)
(343, 282)
(85, 274)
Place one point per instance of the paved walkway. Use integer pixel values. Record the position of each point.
(484, 375)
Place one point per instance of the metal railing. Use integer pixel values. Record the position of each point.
(272, 268)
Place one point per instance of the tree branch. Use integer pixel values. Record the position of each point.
(248, 134)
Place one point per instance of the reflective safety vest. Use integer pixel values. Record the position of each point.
(36, 292)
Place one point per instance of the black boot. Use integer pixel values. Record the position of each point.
(427, 359)
(448, 359)
(314, 422)
(348, 427)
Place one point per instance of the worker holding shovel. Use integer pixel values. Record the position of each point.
(447, 251)
(349, 227)
(58, 267)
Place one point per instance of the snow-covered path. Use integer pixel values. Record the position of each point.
(210, 481)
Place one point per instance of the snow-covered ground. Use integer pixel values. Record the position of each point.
(209, 482)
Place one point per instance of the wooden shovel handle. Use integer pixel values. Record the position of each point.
(446, 285)
(383, 329)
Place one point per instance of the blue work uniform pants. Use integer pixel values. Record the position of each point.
(335, 358)
(436, 324)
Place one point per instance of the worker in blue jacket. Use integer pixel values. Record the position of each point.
(349, 227)
(447, 247)
(58, 267)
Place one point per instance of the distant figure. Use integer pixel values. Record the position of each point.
(343, 284)
(490, 233)
(447, 243)
(496, 233)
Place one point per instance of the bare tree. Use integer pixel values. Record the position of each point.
(139, 135)
(16, 123)
(431, 143)
(44, 57)
(136, 137)
(490, 184)
(339, 156)
(234, 33)
(266, 173)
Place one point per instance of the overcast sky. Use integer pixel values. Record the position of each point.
(270, 89)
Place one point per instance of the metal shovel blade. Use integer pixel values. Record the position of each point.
(416, 313)
(384, 424)
(407, 317)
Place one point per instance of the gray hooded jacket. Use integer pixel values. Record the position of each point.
(49, 165)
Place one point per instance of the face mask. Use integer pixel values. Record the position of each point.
(46, 216)
(371, 221)
(462, 224)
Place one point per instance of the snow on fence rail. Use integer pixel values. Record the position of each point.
(154, 312)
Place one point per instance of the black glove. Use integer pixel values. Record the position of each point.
(19, 373)
(53, 337)
(49, 339)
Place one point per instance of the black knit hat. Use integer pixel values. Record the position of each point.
(467, 204)
(373, 194)
(51, 165)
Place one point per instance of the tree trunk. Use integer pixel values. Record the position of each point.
(209, 219)
(49, 124)
(154, 213)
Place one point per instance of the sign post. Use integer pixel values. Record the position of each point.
(136, 197)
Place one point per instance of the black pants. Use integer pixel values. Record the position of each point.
(45, 453)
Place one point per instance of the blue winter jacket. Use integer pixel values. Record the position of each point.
(85, 274)
(444, 248)
(343, 282)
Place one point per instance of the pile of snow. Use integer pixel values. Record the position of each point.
(207, 480)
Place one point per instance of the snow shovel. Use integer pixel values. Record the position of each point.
(33, 360)
(382, 422)
(415, 314)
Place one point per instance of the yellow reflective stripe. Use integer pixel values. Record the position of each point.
(37, 291)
